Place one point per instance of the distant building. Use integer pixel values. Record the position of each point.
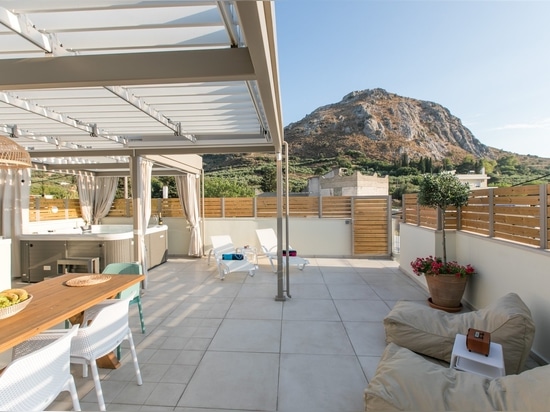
(336, 183)
(474, 180)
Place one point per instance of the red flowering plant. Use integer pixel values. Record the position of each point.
(434, 266)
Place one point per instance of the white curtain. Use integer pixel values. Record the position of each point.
(96, 195)
(104, 196)
(86, 190)
(146, 167)
(14, 201)
(188, 191)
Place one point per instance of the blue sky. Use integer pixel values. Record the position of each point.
(488, 61)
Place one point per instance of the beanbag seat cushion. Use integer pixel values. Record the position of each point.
(432, 332)
(405, 381)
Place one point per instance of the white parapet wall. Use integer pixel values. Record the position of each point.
(309, 236)
(502, 267)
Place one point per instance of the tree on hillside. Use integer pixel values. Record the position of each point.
(223, 187)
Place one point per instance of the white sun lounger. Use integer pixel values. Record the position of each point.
(268, 242)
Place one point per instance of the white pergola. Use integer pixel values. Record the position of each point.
(90, 83)
(93, 85)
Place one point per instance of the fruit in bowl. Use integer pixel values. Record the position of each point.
(10, 297)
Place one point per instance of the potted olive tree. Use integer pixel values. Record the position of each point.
(446, 280)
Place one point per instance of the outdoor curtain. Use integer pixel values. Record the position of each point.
(96, 196)
(14, 201)
(145, 169)
(188, 192)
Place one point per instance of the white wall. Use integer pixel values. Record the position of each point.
(502, 267)
(308, 236)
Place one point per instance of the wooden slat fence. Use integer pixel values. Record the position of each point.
(326, 207)
(41, 209)
(518, 214)
(371, 226)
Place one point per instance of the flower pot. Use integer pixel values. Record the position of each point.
(446, 291)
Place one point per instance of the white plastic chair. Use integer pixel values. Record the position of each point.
(268, 242)
(104, 327)
(39, 373)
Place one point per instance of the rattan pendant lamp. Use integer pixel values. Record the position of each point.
(13, 156)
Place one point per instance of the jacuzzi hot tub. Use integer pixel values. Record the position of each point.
(49, 253)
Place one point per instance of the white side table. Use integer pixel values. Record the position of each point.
(250, 253)
(491, 366)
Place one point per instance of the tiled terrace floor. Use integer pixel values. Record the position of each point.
(215, 345)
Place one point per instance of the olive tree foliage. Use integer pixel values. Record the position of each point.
(224, 187)
(441, 191)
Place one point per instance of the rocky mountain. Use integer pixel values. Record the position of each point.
(384, 126)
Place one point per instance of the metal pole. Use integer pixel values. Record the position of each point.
(280, 292)
(287, 213)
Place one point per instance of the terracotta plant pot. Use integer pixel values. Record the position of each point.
(446, 291)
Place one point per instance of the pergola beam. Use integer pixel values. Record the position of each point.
(21, 25)
(127, 69)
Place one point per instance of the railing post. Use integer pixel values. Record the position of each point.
(404, 208)
(390, 228)
(320, 206)
(417, 212)
(491, 203)
(66, 205)
(222, 200)
(543, 207)
(37, 209)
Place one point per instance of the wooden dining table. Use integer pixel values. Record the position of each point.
(53, 302)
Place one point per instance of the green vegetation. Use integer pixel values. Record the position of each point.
(247, 175)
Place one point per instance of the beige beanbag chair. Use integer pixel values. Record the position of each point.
(432, 332)
(405, 381)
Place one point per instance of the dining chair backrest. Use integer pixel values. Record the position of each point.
(31, 382)
(103, 329)
(125, 268)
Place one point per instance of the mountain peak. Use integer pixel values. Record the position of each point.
(384, 126)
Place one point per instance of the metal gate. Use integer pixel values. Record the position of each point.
(371, 217)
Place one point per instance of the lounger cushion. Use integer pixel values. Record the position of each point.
(407, 381)
(432, 332)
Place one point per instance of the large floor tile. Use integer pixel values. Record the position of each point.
(315, 337)
(361, 310)
(248, 335)
(255, 308)
(352, 291)
(367, 338)
(321, 383)
(309, 291)
(310, 309)
(234, 380)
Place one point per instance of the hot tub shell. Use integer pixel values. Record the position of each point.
(45, 254)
